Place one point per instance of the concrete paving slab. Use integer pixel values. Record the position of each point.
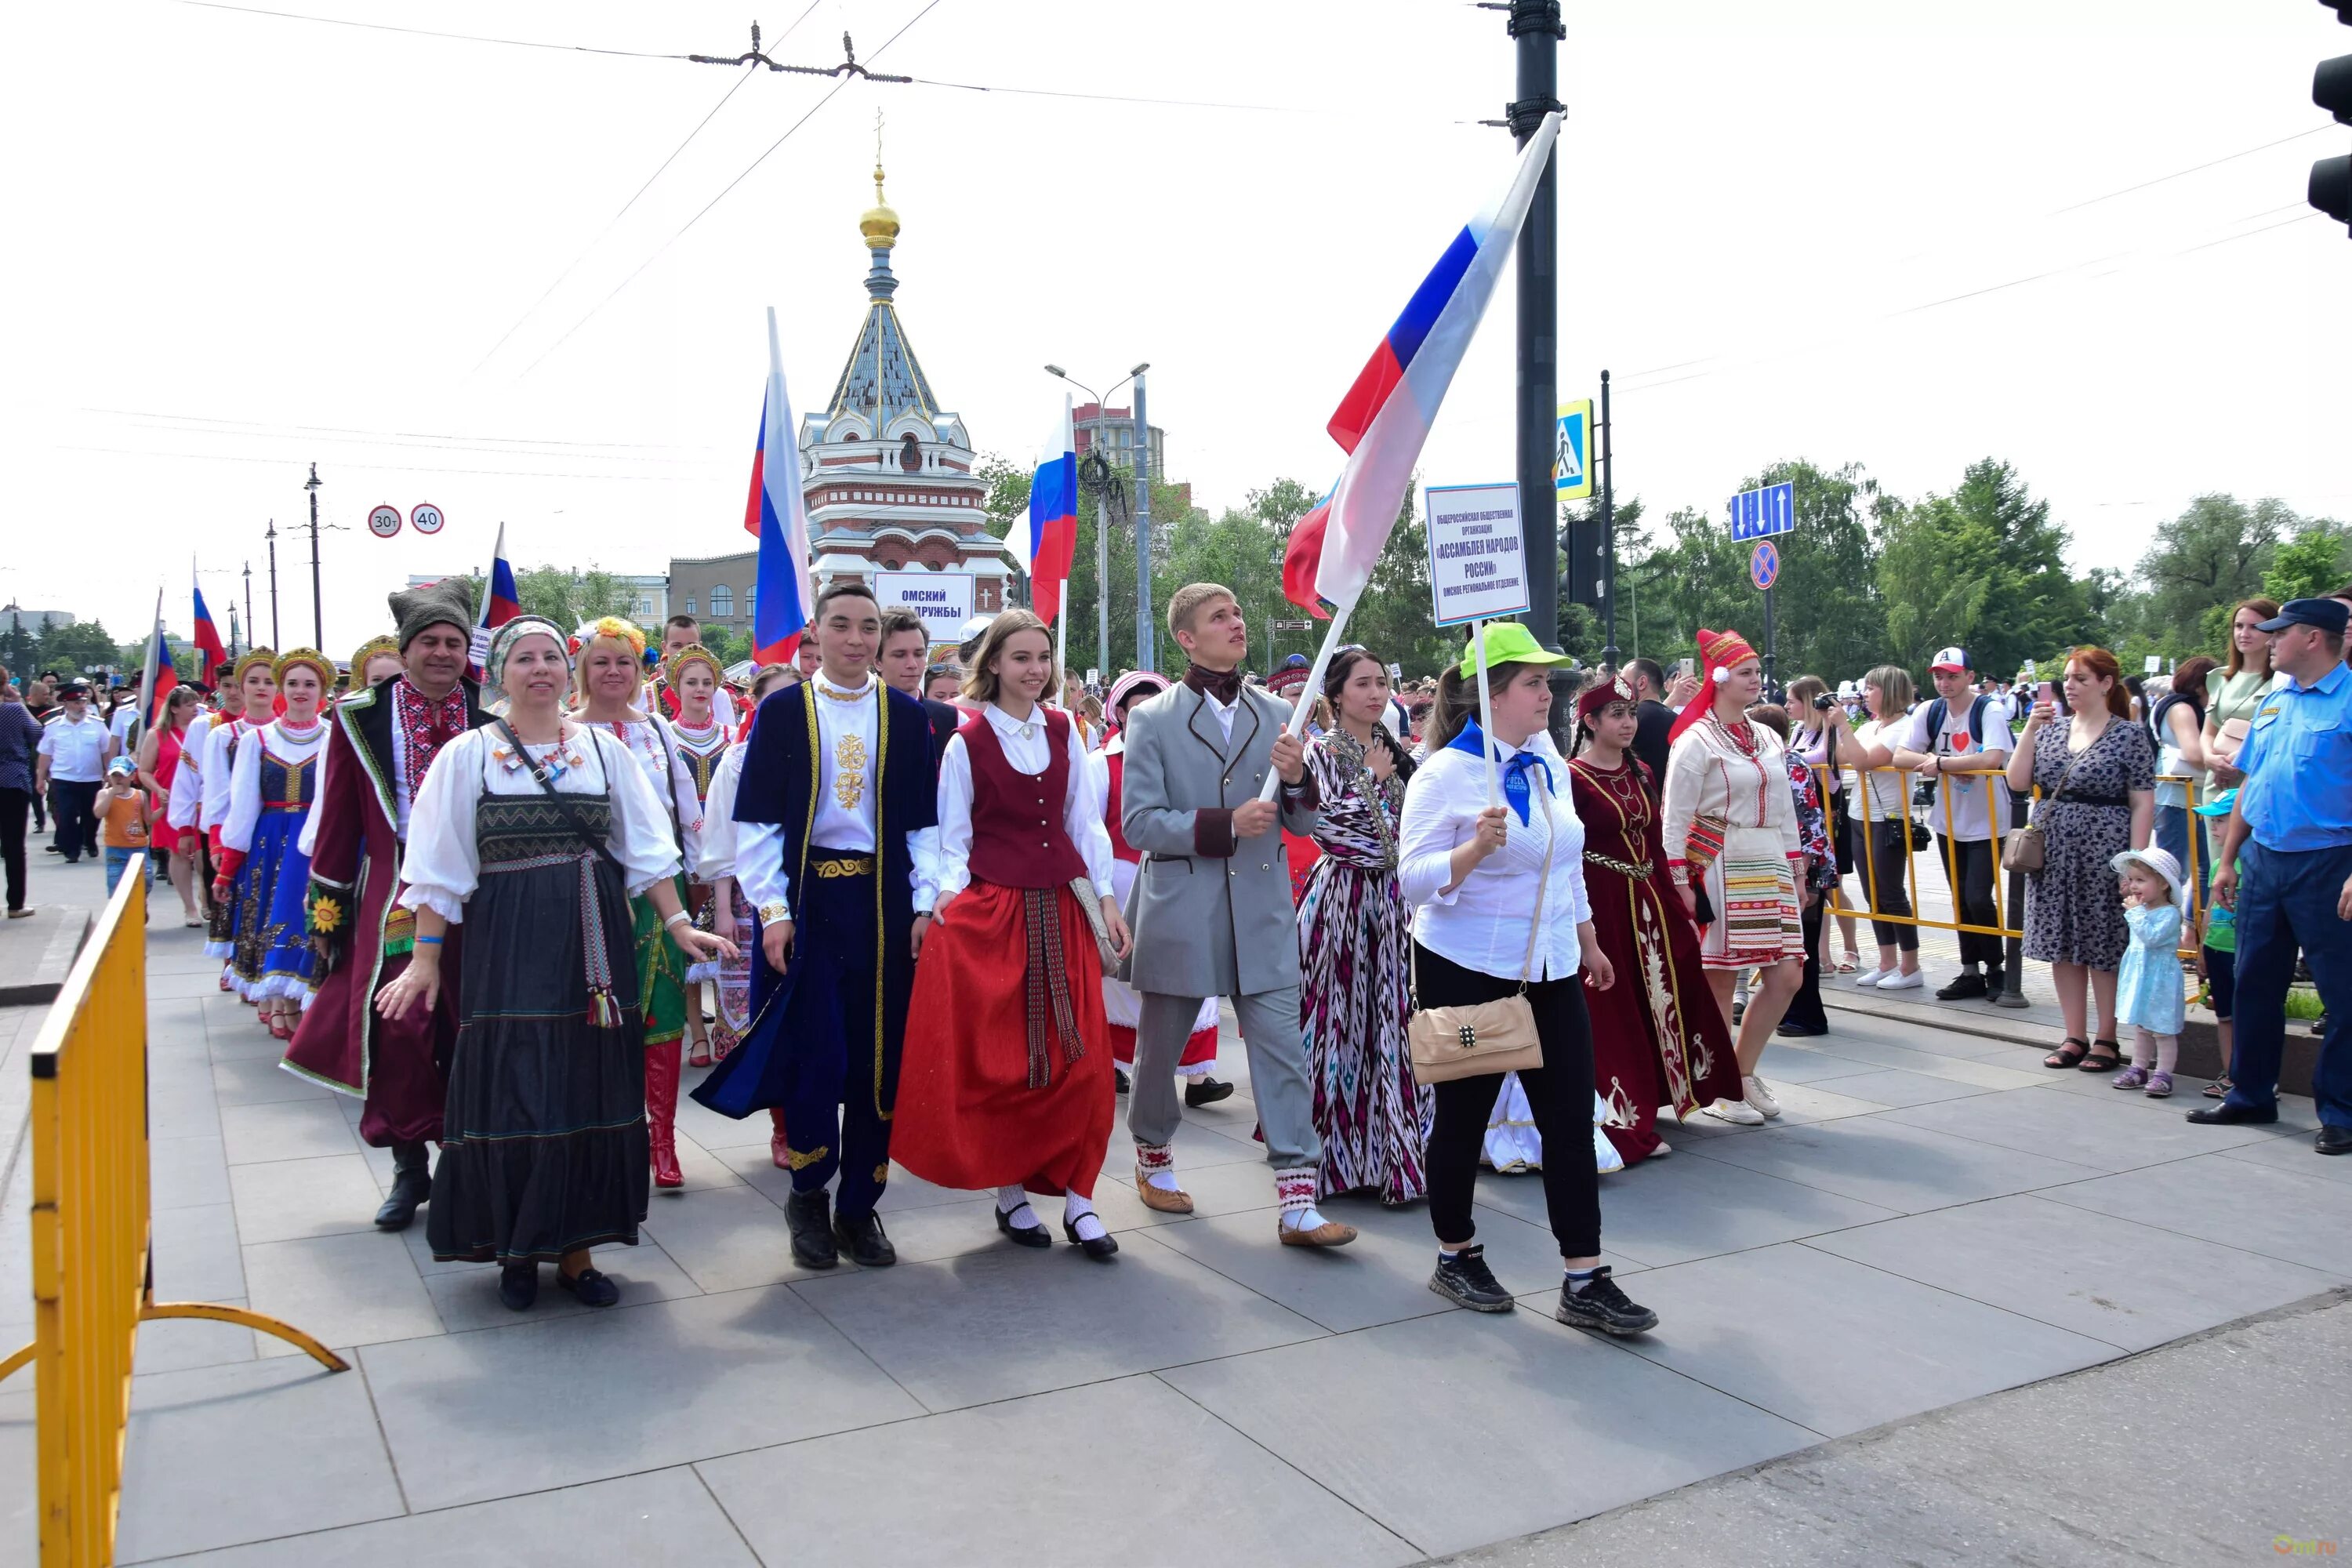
(2293, 1151)
(195, 1254)
(1613, 1427)
(187, 1172)
(474, 1416)
(729, 1239)
(2105, 1134)
(287, 1198)
(222, 1455)
(2255, 1207)
(177, 1344)
(342, 1290)
(256, 1080)
(467, 1294)
(1138, 1432)
(2111, 1278)
(1898, 1087)
(303, 1128)
(1835, 1346)
(1890, 1164)
(941, 1329)
(1674, 1210)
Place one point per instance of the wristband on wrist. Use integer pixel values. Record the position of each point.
(430, 940)
(678, 919)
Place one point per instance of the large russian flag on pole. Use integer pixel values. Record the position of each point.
(776, 515)
(500, 603)
(1048, 539)
(1383, 421)
(211, 653)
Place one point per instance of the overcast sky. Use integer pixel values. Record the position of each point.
(1845, 230)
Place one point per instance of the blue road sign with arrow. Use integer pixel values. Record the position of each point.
(1760, 514)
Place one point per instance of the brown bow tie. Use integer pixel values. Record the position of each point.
(1225, 685)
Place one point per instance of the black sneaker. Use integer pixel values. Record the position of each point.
(1602, 1305)
(1465, 1280)
(1208, 1092)
(1964, 985)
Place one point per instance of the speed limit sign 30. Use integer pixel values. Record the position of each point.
(384, 522)
(426, 517)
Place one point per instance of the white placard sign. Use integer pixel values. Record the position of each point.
(944, 599)
(1477, 559)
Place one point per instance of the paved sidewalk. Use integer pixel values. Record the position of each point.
(1935, 1219)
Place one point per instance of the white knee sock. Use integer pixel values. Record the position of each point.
(1013, 1203)
(1079, 1214)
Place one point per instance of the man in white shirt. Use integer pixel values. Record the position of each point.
(834, 851)
(72, 764)
(1962, 741)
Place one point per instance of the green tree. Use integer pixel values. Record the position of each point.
(569, 596)
(2202, 562)
(2313, 565)
(77, 648)
(1984, 567)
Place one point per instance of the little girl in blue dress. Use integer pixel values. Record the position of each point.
(2148, 989)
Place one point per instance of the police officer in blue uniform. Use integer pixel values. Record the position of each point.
(2285, 867)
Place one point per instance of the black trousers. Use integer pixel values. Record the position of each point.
(74, 805)
(1805, 1007)
(1559, 1093)
(1968, 867)
(14, 804)
(1889, 895)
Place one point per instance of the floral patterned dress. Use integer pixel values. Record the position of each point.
(1354, 991)
(1658, 1038)
(2073, 911)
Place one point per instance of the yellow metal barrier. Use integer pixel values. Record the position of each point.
(93, 1273)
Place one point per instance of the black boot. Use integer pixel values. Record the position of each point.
(809, 1216)
(412, 1184)
(865, 1240)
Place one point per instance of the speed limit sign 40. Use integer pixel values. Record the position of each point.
(426, 517)
(384, 522)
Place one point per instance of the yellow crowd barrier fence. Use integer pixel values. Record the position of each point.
(93, 1268)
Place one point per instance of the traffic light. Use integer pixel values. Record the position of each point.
(2331, 87)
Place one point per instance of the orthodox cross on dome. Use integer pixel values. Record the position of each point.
(883, 377)
(880, 227)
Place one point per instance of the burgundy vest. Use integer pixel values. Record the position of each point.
(1017, 837)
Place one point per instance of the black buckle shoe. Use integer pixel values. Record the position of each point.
(864, 1240)
(1024, 1235)
(1965, 985)
(518, 1286)
(1208, 1092)
(1102, 1249)
(1602, 1305)
(1465, 1280)
(809, 1216)
(412, 1185)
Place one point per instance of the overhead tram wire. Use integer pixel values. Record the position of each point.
(429, 32)
(266, 427)
(724, 191)
(2192, 169)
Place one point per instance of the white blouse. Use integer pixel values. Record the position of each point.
(244, 807)
(655, 746)
(443, 863)
(1485, 923)
(717, 861)
(1027, 748)
(849, 732)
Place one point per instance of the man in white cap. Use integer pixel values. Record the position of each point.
(1962, 741)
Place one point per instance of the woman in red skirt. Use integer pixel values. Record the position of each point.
(1006, 1082)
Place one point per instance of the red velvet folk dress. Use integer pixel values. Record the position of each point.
(1007, 1073)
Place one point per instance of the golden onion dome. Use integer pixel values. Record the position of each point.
(880, 224)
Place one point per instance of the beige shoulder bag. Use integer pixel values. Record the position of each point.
(1485, 1037)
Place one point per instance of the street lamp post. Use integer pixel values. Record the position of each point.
(1102, 527)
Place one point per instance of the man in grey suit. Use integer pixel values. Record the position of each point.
(1210, 910)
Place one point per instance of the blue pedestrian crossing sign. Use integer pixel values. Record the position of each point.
(1571, 451)
(1760, 514)
(1764, 564)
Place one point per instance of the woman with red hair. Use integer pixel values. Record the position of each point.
(2096, 774)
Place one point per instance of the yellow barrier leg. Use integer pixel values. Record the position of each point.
(22, 1358)
(267, 1325)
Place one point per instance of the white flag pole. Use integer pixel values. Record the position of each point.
(1299, 715)
(1486, 712)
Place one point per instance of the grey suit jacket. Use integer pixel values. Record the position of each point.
(1211, 914)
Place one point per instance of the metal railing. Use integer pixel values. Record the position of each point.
(93, 1269)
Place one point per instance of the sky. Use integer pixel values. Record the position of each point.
(528, 284)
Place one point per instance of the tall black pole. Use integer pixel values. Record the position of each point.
(1536, 24)
(272, 537)
(1607, 536)
(318, 605)
(248, 600)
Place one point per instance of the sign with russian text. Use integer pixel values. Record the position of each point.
(943, 600)
(1477, 558)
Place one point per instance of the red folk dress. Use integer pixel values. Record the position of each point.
(1658, 1038)
(1007, 1073)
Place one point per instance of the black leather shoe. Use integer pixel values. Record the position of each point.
(590, 1286)
(1963, 986)
(863, 1239)
(1208, 1092)
(1102, 1249)
(1119, 1078)
(1024, 1235)
(2333, 1140)
(1801, 1031)
(2231, 1114)
(412, 1184)
(518, 1286)
(809, 1215)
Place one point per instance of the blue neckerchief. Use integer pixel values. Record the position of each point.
(1516, 790)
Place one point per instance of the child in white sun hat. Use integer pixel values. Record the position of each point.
(2148, 986)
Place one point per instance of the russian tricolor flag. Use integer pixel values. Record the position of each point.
(775, 514)
(1048, 539)
(500, 603)
(1383, 421)
(211, 653)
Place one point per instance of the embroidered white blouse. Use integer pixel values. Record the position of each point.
(1026, 749)
(1485, 923)
(244, 813)
(848, 724)
(443, 865)
(654, 745)
(717, 858)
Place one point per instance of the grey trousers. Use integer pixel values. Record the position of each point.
(1269, 1021)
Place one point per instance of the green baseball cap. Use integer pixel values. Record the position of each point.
(1509, 642)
